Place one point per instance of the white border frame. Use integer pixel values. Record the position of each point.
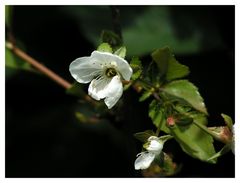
(108, 2)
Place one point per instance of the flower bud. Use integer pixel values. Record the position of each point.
(222, 134)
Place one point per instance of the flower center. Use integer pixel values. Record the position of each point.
(110, 72)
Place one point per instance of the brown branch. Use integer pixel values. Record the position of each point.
(65, 84)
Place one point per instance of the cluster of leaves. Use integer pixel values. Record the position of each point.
(177, 105)
(176, 108)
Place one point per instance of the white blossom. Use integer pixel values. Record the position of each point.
(144, 159)
(105, 72)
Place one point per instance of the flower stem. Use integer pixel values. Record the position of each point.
(59, 80)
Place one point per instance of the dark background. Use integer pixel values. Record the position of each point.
(43, 138)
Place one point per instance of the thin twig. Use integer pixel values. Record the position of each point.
(65, 84)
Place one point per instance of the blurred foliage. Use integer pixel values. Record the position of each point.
(146, 28)
(8, 15)
(14, 64)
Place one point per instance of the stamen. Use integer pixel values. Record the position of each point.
(110, 72)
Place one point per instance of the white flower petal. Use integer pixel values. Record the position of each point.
(122, 65)
(155, 145)
(98, 88)
(84, 69)
(114, 91)
(144, 160)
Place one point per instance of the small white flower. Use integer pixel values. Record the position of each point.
(145, 159)
(155, 145)
(105, 71)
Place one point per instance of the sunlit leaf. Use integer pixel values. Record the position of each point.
(136, 65)
(193, 140)
(105, 47)
(187, 91)
(121, 52)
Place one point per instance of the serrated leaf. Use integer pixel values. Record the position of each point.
(187, 91)
(111, 38)
(145, 95)
(161, 57)
(136, 65)
(121, 52)
(228, 120)
(157, 114)
(168, 66)
(176, 70)
(193, 140)
(105, 47)
(143, 136)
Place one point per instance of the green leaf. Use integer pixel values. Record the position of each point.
(165, 138)
(8, 15)
(168, 66)
(111, 38)
(76, 90)
(143, 136)
(157, 114)
(145, 95)
(228, 120)
(223, 151)
(193, 140)
(121, 52)
(175, 69)
(14, 62)
(105, 47)
(136, 65)
(187, 91)
(147, 28)
(161, 57)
